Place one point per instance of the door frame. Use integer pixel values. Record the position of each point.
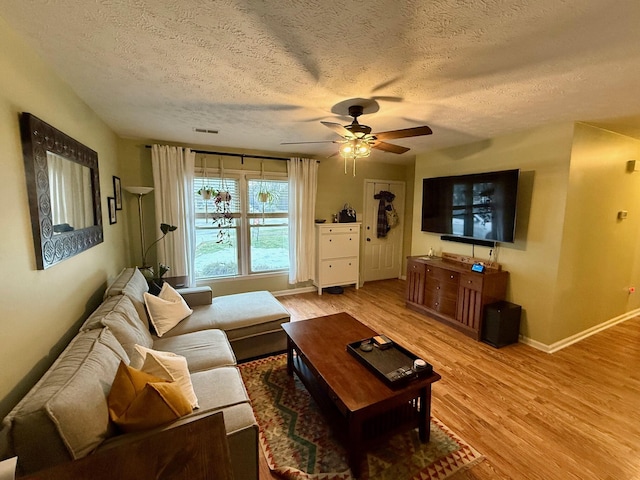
(363, 237)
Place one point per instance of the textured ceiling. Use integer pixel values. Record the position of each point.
(266, 72)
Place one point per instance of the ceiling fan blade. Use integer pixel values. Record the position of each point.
(389, 147)
(339, 129)
(301, 143)
(404, 133)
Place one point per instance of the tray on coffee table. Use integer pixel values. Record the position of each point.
(393, 365)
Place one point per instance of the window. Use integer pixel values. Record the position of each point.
(247, 234)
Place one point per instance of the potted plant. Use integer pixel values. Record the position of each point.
(207, 192)
(223, 217)
(265, 195)
(223, 197)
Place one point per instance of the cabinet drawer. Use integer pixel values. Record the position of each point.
(442, 289)
(416, 267)
(339, 245)
(339, 271)
(444, 304)
(442, 274)
(339, 229)
(472, 282)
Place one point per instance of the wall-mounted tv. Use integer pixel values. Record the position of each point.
(480, 206)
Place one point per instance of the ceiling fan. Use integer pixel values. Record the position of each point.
(358, 139)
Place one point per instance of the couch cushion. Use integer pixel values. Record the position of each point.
(65, 414)
(140, 401)
(130, 282)
(248, 314)
(203, 350)
(218, 388)
(119, 314)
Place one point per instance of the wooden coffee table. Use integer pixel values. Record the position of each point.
(317, 352)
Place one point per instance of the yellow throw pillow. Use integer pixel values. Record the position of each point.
(139, 401)
(167, 309)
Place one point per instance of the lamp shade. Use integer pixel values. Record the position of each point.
(138, 190)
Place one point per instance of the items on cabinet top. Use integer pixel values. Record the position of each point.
(465, 262)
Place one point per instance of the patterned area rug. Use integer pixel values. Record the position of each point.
(299, 443)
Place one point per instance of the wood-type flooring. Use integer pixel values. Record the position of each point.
(571, 415)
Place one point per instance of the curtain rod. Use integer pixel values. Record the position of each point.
(241, 155)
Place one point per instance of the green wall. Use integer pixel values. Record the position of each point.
(571, 261)
(599, 253)
(40, 310)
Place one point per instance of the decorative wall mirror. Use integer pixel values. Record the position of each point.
(64, 192)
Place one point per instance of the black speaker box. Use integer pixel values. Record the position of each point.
(501, 325)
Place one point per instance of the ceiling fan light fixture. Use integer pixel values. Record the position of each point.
(353, 149)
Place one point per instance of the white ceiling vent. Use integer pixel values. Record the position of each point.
(205, 130)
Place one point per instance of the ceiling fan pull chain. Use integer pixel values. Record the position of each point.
(354, 165)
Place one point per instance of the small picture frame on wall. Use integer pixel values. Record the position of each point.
(111, 201)
(117, 192)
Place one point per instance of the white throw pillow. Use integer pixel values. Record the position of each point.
(167, 366)
(167, 309)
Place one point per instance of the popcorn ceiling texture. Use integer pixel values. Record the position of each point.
(266, 72)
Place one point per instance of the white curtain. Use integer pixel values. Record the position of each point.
(173, 174)
(303, 185)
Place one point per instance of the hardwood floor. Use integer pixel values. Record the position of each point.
(568, 415)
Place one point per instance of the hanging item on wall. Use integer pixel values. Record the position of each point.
(384, 212)
(392, 216)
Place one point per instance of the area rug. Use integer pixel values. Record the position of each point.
(299, 443)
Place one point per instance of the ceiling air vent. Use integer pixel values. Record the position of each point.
(205, 130)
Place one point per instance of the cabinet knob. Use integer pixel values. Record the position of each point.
(437, 304)
(469, 281)
(330, 240)
(329, 266)
(438, 288)
(349, 263)
(451, 276)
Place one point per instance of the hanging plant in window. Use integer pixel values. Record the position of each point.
(264, 195)
(206, 192)
(223, 217)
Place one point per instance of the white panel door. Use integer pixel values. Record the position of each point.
(382, 255)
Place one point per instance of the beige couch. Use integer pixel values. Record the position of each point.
(65, 415)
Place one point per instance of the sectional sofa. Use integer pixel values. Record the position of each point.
(65, 415)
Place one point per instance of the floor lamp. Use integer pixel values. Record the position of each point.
(140, 192)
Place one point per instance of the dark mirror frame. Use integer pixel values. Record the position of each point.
(38, 138)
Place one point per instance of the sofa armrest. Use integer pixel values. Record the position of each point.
(202, 444)
(195, 296)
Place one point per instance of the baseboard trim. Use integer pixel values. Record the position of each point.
(294, 291)
(557, 346)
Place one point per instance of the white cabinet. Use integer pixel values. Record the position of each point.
(337, 255)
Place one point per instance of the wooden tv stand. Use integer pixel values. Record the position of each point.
(447, 290)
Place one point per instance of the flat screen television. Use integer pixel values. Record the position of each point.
(480, 206)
